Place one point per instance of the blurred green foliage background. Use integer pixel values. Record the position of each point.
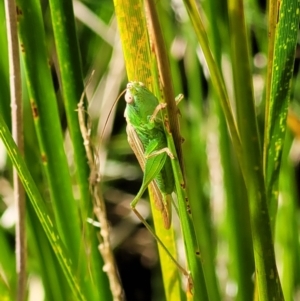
(230, 176)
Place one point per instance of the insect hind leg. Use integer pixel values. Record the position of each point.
(150, 229)
(158, 152)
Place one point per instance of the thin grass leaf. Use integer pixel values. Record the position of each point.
(193, 124)
(46, 118)
(41, 211)
(55, 283)
(49, 132)
(72, 87)
(265, 264)
(287, 237)
(4, 67)
(8, 266)
(216, 76)
(239, 238)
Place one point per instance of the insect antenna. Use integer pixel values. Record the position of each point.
(109, 113)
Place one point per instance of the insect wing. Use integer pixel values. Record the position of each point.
(138, 149)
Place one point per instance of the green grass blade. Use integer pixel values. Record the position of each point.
(278, 100)
(55, 283)
(265, 264)
(287, 237)
(4, 67)
(72, 85)
(51, 142)
(134, 38)
(46, 118)
(216, 77)
(196, 168)
(72, 88)
(239, 238)
(8, 266)
(40, 210)
(272, 18)
(190, 240)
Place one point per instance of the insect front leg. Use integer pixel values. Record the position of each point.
(156, 111)
(162, 106)
(178, 99)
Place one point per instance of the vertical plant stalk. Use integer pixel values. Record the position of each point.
(191, 244)
(159, 49)
(100, 211)
(17, 133)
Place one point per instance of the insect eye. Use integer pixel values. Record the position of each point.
(128, 97)
(129, 86)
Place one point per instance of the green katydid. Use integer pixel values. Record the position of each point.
(147, 138)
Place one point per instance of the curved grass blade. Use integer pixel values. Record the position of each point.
(40, 209)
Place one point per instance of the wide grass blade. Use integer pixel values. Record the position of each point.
(278, 99)
(134, 37)
(69, 60)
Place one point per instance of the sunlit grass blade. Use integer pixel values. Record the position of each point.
(287, 237)
(278, 100)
